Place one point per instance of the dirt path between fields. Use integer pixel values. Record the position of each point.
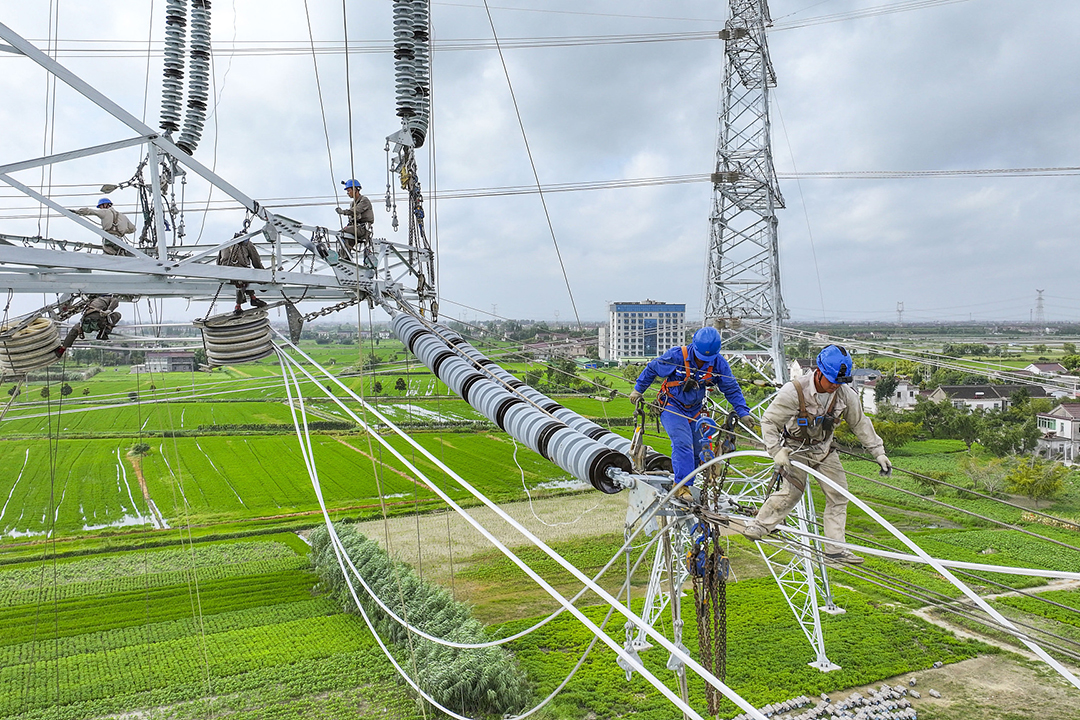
(136, 464)
(552, 519)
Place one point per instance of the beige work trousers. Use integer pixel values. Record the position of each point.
(780, 503)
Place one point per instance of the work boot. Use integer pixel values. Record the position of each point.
(753, 531)
(103, 334)
(845, 557)
(256, 302)
(237, 310)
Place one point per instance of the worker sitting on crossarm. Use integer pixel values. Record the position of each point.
(359, 216)
(113, 222)
(100, 317)
(242, 254)
(687, 372)
(799, 425)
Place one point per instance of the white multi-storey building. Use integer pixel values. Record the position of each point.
(643, 330)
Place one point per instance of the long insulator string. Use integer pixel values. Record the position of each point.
(198, 76)
(172, 92)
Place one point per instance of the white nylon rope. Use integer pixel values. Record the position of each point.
(635, 619)
(636, 664)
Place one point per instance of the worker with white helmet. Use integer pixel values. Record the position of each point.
(799, 425)
(113, 222)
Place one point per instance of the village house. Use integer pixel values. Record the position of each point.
(1060, 430)
(982, 397)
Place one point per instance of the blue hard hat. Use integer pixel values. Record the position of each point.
(707, 342)
(104, 201)
(835, 364)
(351, 184)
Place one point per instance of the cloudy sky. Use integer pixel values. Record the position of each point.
(947, 85)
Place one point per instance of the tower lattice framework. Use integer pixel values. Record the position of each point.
(742, 285)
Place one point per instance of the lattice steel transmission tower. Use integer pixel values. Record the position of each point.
(742, 285)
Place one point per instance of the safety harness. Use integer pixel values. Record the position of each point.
(666, 387)
(805, 421)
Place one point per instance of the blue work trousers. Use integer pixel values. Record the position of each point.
(685, 445)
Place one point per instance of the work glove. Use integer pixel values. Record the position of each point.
(885, 463)
(783, 458)
(749, 422)
(635, 397)
(339, 211)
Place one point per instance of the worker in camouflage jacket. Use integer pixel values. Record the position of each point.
(113, 222)
(100, 317)
(799, 425)
(242, 254)
(359, 216)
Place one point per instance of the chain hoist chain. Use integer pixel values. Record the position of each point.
(330, 309)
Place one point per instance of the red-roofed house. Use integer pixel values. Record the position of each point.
(1046, 369)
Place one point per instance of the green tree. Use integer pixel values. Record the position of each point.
(965, 426)
(45, 391)
(400, 385)
(1002, 437)
(885, 388)
(65, 390)
(532, 376)
(14, 391)
(1069, 348)
(935, 417)
(895, 434)
(377, 387)
(801, 349)
(1037, 479)
(86, 390)
(140, 449)
(630, 371)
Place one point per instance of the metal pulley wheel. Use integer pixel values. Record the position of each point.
(236, 339)
(28, 348)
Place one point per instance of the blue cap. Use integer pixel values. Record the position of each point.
(104, 201)
(835, 364)
(351, 184)
(707, 342)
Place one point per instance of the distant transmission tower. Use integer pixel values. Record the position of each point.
(743, 269)
(1040, 311)
(900, 313)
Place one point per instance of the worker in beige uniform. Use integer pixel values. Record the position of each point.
(799, 425)
(113, 222)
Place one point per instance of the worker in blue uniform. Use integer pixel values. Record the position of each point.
(687, 372)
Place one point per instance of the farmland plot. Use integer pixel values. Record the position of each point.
(251, 642)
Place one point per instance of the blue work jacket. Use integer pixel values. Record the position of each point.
(671, 367)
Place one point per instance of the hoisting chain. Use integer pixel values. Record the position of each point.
(709, 569)
(331, 309)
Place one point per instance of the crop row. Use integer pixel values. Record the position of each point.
(191, 665)
(42, 621)
(142, 563)
(47, 593)
(154, 631)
